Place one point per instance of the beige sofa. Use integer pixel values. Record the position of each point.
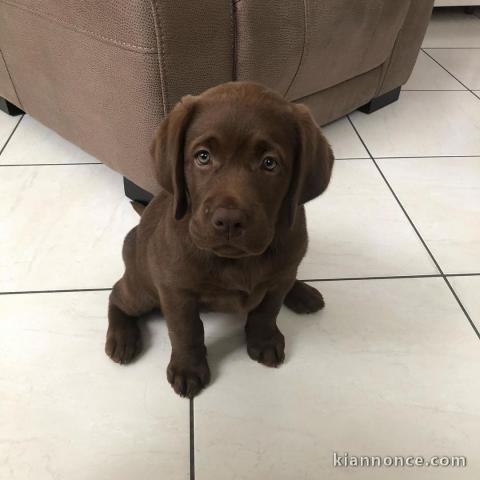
(104, 74)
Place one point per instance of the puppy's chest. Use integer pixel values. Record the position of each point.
(233, 289)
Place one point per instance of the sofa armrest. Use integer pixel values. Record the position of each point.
(104, 74)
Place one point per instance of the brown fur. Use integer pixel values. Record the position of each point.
(223, 236)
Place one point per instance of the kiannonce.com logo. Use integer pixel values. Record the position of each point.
(348, 460)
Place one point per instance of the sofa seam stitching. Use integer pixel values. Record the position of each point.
(233, 17)
(160, 54)
(304, 47)
(386, 67)
(81, 30)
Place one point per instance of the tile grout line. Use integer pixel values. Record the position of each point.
(396, 198)
(450, 73)
(433, 90)
(464, 310)
(327, 279)
(192, 440)
(462, 274)
(72, 290)
(380, 277)
(449, 48)
(352, 158)
(429, 156)
(48, 164)
(336, 159)
(11, 134)
(388, 277)
(472, 324)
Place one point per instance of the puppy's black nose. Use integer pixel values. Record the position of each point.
(229, 221)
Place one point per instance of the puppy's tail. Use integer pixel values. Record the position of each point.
(138, 207)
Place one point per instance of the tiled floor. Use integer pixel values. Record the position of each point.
(390, 367)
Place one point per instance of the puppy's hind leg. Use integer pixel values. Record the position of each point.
(303, 298)
(127, 302)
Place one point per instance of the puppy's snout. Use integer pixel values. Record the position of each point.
(229, 221)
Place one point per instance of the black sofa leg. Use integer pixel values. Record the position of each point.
(10, 108)
(382, 101)
(136, 193)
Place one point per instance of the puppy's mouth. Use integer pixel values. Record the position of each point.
(225, 249)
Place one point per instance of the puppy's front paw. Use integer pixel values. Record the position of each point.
(123, 342)
(188, 377)
(267, 350)
(303, 298)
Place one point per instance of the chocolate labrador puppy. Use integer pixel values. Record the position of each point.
(227, 232)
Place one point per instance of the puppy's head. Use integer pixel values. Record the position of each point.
(240, 158)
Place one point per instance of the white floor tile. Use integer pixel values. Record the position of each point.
(388, 368)
(7, 124)
(343, 139)
(442, 197)
(449, 28)
(467, 289)
(464, 64)
(62, 227)
(357, 229)
(68, 411)
(35, 143)
(423, 124)
(428, 75)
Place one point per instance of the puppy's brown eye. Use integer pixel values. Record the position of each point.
(269, 163)
(202, 157)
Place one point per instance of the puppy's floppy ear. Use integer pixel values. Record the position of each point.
(168, 153)
(313, 161)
